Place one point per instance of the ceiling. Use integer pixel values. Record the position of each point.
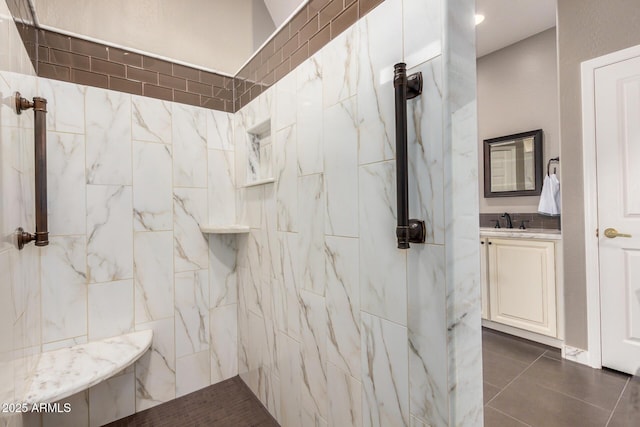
(509, 21)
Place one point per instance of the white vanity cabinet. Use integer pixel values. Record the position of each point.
(520, 278)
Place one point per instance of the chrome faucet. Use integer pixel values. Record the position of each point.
(508, 218)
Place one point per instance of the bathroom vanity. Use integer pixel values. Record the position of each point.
(521, 278)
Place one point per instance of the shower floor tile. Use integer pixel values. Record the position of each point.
(229, 403)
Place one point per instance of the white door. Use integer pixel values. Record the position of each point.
(617, 108)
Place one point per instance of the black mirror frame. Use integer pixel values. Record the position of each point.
(538, 167)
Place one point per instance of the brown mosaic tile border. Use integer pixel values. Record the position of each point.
(71, 59)
(76, 60)
(315, 25)
(535, 220)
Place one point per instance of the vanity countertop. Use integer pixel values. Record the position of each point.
(529, 233)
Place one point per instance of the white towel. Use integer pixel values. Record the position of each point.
(550, 196)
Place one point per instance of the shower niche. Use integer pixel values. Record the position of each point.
(259, 154)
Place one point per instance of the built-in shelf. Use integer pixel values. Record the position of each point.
(224, 229)
(259, 154)
(260, 182)
(61, 373)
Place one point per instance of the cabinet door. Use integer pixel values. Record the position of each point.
(484, 282)
(522, 284)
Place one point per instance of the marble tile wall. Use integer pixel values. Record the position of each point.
(130, 181)
(19, 270)
(336, 326)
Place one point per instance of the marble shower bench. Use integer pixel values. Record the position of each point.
(61, 373)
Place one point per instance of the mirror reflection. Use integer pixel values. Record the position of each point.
(513, 165)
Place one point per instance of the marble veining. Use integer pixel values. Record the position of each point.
(340, 136)
(66, 183)
(343, 304)
(311, 201)
(108, 137)
(64, 288)
(383, 283)
(189, 146)
(155, 372)
(286, 172)
(109, 236)
(192, 312)
(61, 373)
(153, 260)
(308, 116)
(385, 377)
(151, 120)
(152, 187)
(425, 152)
(380, 48)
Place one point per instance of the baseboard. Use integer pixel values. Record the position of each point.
(531, 336)
(577, 355)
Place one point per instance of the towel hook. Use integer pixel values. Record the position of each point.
(552, 160)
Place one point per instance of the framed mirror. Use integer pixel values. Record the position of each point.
(513, 165)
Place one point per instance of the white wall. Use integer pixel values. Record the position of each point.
(518, 92)
(213, 34)
(586, 29)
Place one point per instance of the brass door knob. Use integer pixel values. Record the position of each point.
(612, 233)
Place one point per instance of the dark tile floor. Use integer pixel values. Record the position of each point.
(226, 404)
(528, 384)
(525, 384)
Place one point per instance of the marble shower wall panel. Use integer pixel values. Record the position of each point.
(461, 213)
(375, 338)
(309, 116)
(286, 174)
(340, 68)
(343, 304)
(427, 346)
(156, 370)
(20, 292)
(109, 233)
(380, 47)
(129, 192)
(189, 146)
(383, 267)
(220, 130)
(311, 202)
(152, 187)
(222, 194)
(223, 274)
(385, 388)
(64, 288)
(340, 139)
(151, 120)
(190, 246)
(424, 39)
(153, 264)
(66, 183)
(426, 163)
(108, 133)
